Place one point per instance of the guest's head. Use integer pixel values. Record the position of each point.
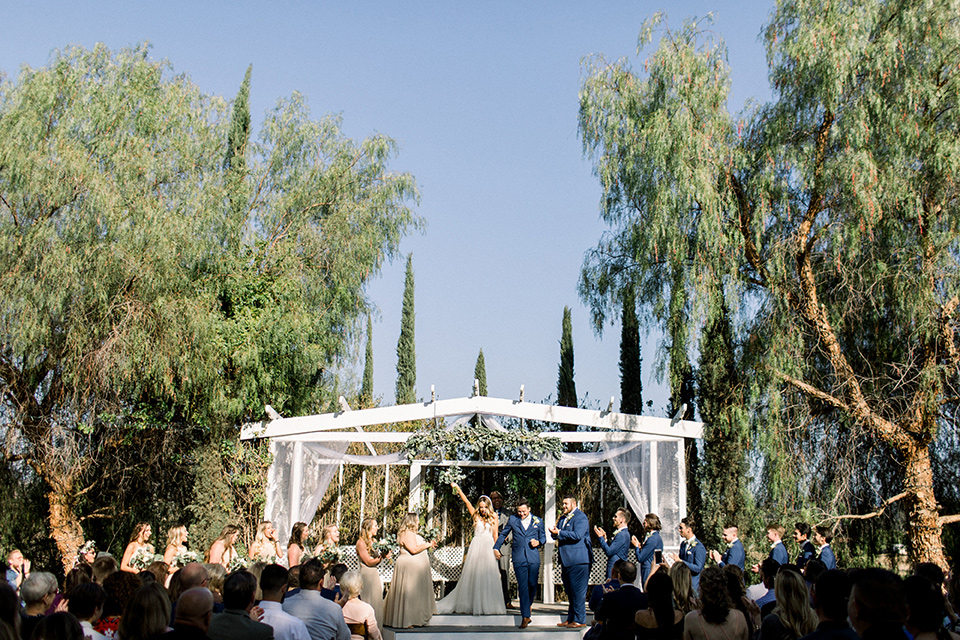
(216, 574)
(715, 601)
(876, 601)
(338, 570)
(311, 573)
(38, 591)
(615, 571)
(86, 600)
(78, 575)
(256, 569)
(768, 571)
(10, 607)
(120, 587)
(293, 578)
(273, 582)
(651, 522)
(682, 586)
(930, 571)
(239, 590)
(175, 587)
(793, 603)
(58, 626)
(103, 567)
(350, 584)
(660, 596)
(735, 586)
(628, 572)
(159, 570)
(926, 605)
(195, 608)
(830, 595)
(813, 569)
(146, 614)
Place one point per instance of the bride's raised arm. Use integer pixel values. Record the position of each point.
(465, 499)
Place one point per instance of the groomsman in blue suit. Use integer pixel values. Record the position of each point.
(528, 537)
(801, 534)
(735, 553)
(647, 550)
(619, 546)
(778, 551)
(822, 536)
(572, 534)
(692, 552)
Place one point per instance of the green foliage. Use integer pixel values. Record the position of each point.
(480, 442)
(631, 377)
(406, 349)
(828, 217)
(566, 386)
(366, 389)
(480, 373)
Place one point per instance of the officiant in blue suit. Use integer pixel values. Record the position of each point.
(528, 536)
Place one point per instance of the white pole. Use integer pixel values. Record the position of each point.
(549, 521)
(296, 484)
(363, 493)
(386, 494)
(413, 501)
(339, 494)
(430, 497)
(653, 474)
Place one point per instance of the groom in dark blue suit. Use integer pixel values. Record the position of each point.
(572, 534)
(528, 537)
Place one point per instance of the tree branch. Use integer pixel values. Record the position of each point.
(813, 391)
(874, 514)
(942, 520)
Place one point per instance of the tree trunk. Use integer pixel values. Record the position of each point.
(923, 530)
(65, 527)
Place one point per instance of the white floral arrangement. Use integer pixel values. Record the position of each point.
(386, 544)
(451, 475)
(329, 556)
(184, 558)
(237, 564)
(143, 558)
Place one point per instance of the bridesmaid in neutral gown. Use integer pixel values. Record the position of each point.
(372, 590)
(410, 601)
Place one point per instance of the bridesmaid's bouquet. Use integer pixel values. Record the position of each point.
(430, 534)
(184, 558)
(237, 564)
(386, 544)
(143, 558)
(329, 556)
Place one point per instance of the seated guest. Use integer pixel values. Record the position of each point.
(877, 609)
(618, 609)
(103, 566)
(58, 626)
(10, 608)
(927, 609)
(738, 597)
(293, 580)
(120, 587)
(683, 594)
(812, 570)
(215, 576)
(610, 585)
(85, 601)
(331, 582)
(660, 620)
(234, 623)
(792, 616)
(273, 586)
(37, 591)
(193, 616)
(146, 614)
(355, 610)
(324, 619)
(830, 595)
(822, 536)
(78, 575)
(768, 574)
(716, 619)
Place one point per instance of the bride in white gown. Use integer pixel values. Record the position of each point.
(478, 591)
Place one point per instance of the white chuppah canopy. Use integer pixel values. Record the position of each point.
(645, 455)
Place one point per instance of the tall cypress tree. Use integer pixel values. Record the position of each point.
(366, 389)
(566, 387)
(480, 373)
(235, 159)
(631, 385)
(406, 349)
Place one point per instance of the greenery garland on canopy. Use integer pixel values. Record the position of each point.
(470, 441)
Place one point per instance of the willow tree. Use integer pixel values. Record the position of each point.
(130, 301)
(829, 216)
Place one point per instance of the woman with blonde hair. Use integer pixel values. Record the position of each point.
(478, 592)
(138, 541)
(409, 602)
(355, 609)
(266, 547)
(297, 544)
(372, 589)
(222, 550)
(683, 595)
(176, 544)
(792, 617)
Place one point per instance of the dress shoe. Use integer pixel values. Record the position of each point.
(524, 623)
(563, 624)
(575, 625)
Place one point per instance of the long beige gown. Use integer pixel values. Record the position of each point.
(410, 600)
(372, 591)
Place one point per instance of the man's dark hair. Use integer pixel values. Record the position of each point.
(826, 532)
(926, 603)
(930, 571)
(628, 572)
(273, 578)
(311, 573)
(615, 570)
(293, 578)
(338, 570)
(769, 568)
(570, 496)
(523, 501)
(803, 528)
(103, 567)
(239, 589)
(58, 626)
(831, 593)
(879, 597)
(626, 515)
(84, 599)
(689, 521)
(813, 569)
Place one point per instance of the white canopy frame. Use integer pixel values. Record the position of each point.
(329, 434)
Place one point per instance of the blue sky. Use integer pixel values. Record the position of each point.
(482, 99)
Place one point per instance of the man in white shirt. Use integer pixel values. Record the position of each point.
(324, 618)
(85, 602)
(273, 584)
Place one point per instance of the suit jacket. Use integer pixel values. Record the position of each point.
(618, 611)
(573, 541)
(504, 517)
(521, 551)
(779, 553)
(645, 553)
(734, 555)
(617, 549)
(601, 590)
(807, 552)
(827, 557)
(235, 624)
(694, 555)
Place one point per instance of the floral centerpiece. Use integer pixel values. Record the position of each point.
(143, 557)
(185, 557)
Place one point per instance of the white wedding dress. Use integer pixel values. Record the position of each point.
(478, 592)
